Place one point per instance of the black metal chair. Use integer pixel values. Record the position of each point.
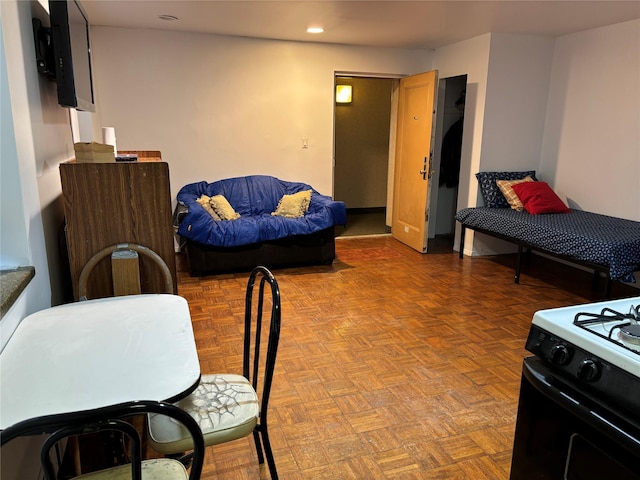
(228, 406)
(114, 418)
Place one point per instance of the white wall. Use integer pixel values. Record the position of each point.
(220, 106)
(14, 249)
(514, 116)
(591, 147)
(35, 137)
(517, 90)
(469, 58)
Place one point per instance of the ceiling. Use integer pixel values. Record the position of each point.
(399, 24)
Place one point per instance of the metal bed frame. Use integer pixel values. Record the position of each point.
(527, 248)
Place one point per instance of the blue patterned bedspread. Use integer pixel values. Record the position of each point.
(608, 241)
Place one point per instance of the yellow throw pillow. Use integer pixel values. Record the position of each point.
(506, 187)
(223, 208)
(204, 200)
(294, 205)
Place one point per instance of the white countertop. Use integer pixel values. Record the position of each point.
(96, 353)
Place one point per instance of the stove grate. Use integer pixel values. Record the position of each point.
(627, 321)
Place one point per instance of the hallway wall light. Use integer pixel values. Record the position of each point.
(343, 93)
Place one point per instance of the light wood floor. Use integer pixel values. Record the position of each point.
(392, 364)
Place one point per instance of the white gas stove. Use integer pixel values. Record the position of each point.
(595, 345)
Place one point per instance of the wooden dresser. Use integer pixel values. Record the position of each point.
(119, 202)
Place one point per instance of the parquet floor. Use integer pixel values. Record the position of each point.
(392, 364)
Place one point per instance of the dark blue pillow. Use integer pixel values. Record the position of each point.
(491, 194)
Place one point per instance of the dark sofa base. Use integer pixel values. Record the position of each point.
(301, 250)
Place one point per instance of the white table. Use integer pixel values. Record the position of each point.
(96, 353)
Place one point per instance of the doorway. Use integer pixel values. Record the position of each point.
(447, 156)
(361, 157)
(361, 154)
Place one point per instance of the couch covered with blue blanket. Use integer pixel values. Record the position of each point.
(237, 223)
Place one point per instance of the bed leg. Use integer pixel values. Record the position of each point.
(518, 264)
(607, 283)
(607, 287)
(462, 230)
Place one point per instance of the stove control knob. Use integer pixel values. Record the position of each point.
(559, 354)
(589, 370)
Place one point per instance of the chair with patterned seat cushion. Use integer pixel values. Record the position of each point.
(231, 406)
(114, 418)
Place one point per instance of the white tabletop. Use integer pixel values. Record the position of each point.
(96, 353)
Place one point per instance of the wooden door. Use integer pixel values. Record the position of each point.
(413, 160)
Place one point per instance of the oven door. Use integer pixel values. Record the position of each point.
(564, 433)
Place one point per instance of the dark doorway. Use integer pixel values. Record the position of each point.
(448, 154)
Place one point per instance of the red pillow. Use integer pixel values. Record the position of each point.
(538, 197)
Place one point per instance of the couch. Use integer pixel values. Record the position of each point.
(237, 223)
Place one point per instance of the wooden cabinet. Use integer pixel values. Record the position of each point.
(120, 202)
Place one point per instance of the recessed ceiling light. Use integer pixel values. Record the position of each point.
(168, 18)
(315, 30)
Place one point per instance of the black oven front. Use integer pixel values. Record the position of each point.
(564, 433)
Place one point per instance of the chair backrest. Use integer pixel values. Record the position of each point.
(125, 269)
(107, 418)
(253, 329)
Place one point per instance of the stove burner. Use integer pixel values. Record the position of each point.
(628, 327)
(630, 333)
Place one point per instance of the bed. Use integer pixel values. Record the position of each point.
(605, 244)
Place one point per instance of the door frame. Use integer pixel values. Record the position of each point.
(437, 149)
(439, 134)
(392, 130)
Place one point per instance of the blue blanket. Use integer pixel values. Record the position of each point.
(254, 198)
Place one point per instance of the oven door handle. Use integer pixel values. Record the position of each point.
(604, 426)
